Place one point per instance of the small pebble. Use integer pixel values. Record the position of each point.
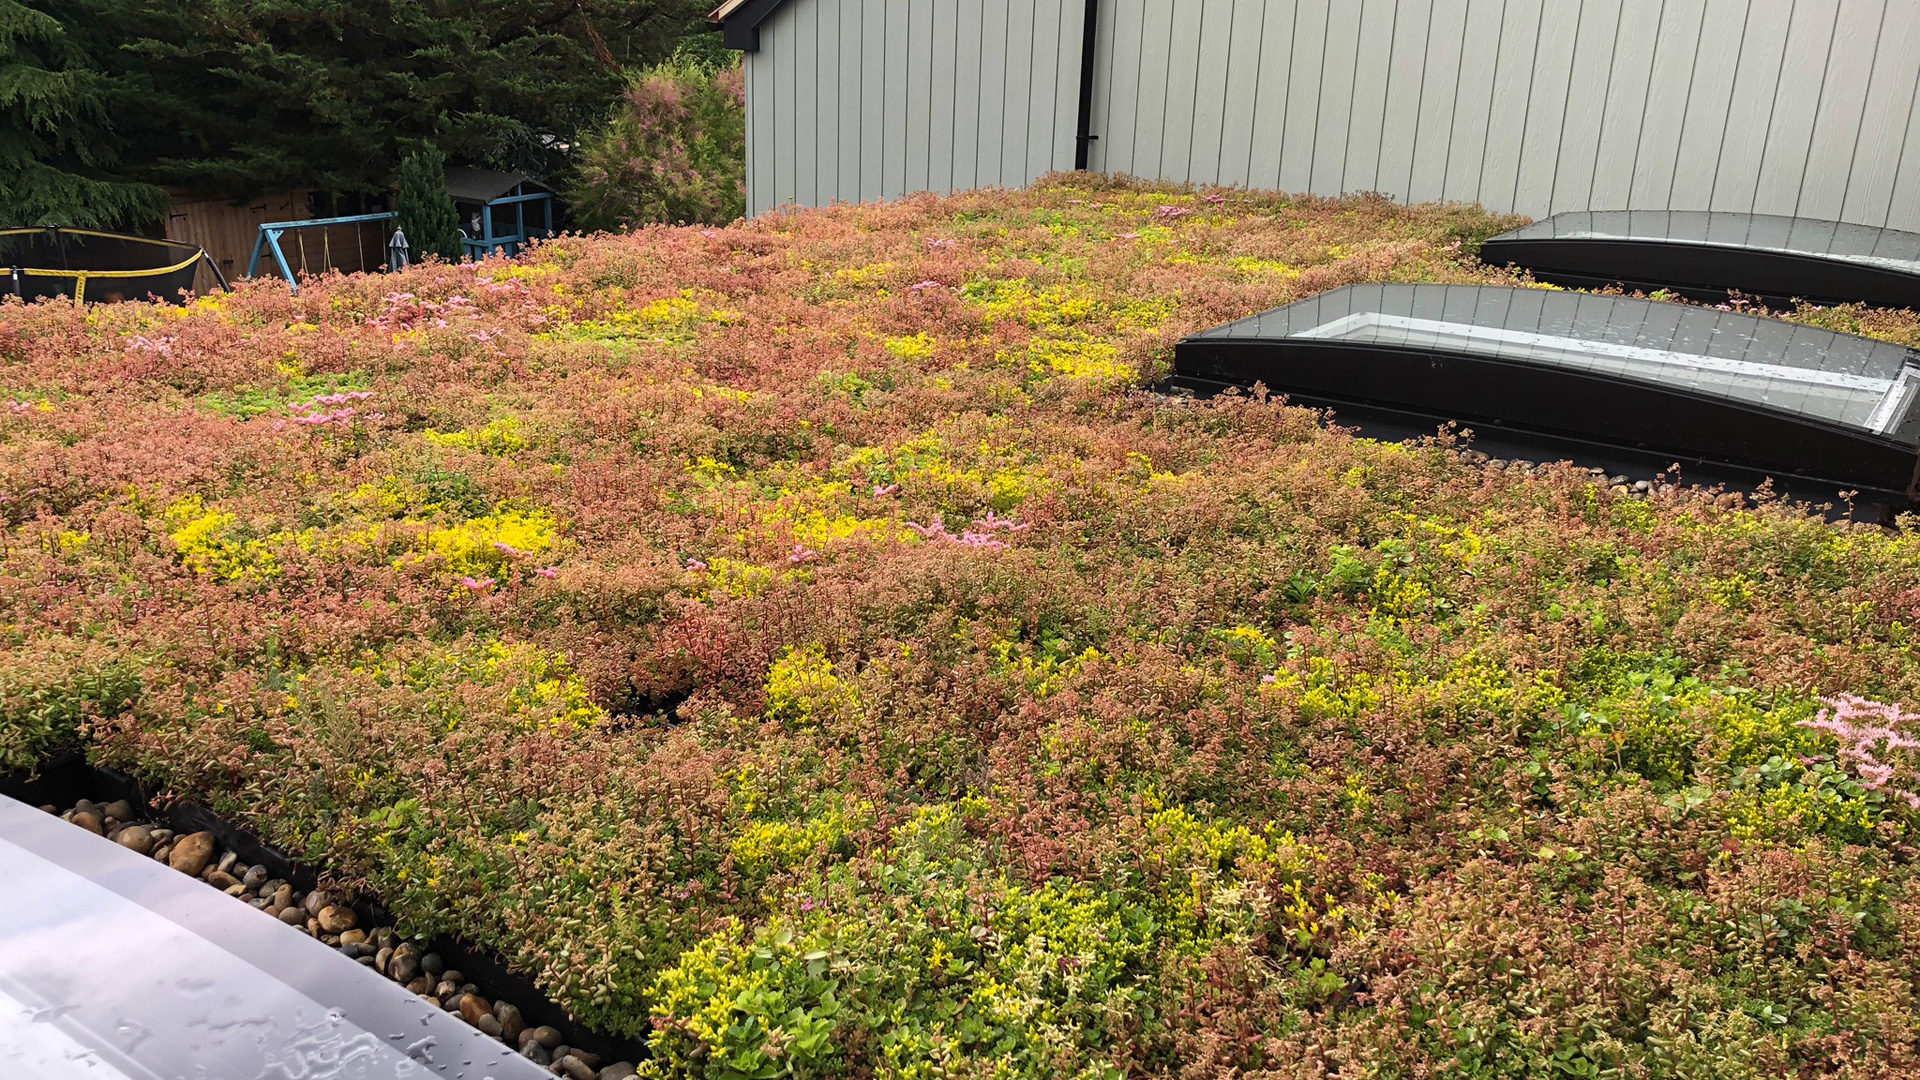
(228, 861)
(619, 1070)
(135, 838)
(433, 965)
(255, 877)
(544, 1035)
(490, 1026)
(235, 890)
(511, 1022)
(315, 900)
(163, 853)
(421, 986)
(405, 965)
(381, 959)
(283, 897)
(456, 976)
(535, 1053)
(365, 961)
(161, 836)
(473, 1007)
(335, 919)
(573, 1067)
(222, 880)
(192, 853)
(352, 950)
(446, 989)
(591, 1060)
(90, 822)
(49, 808)
(291, 916)
(121, 809)
(353, 937)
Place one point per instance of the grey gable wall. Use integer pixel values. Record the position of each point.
(1803, 107)
(851, 100)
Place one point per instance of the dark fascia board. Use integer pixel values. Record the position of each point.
(740, 28)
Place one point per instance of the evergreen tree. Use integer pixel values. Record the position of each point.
(426, 212)
(57, 147)
(249, 96)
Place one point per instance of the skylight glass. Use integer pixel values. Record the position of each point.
(1888, 249)
(1806, 371)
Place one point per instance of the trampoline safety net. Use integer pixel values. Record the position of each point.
(94, 267)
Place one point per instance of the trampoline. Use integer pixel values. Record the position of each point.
(1598, 378)
(97, 267)
(1704, 256)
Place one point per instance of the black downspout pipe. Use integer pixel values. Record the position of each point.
(1083, 140)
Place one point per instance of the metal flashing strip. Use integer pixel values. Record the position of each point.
(1487, 339)
(161, 975)
(1911, 266)
(1893, 408)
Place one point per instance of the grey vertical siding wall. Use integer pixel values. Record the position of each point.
(1803, 107)
(851, 100)
(1808, 107)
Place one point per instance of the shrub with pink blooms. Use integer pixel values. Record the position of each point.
(674, 150)
(806, 645)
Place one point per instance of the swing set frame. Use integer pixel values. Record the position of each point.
(271, 231)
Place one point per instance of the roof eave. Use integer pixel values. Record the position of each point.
(740, 20)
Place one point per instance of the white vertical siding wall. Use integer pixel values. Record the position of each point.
(1803, 107)
(851, 100)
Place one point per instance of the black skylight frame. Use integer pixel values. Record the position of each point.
(1705, 255)
(1649, 379)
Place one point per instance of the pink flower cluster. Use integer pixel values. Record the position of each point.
(330, 410)
(405, 311)
(160, 346)
(1168, 213)
(1869, 730)
(984, 533)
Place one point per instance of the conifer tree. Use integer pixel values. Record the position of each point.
(57, 146)
(426, 212)
(244, 98)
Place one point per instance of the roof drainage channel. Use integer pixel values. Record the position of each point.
(1749, 396)
(1708, 255)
